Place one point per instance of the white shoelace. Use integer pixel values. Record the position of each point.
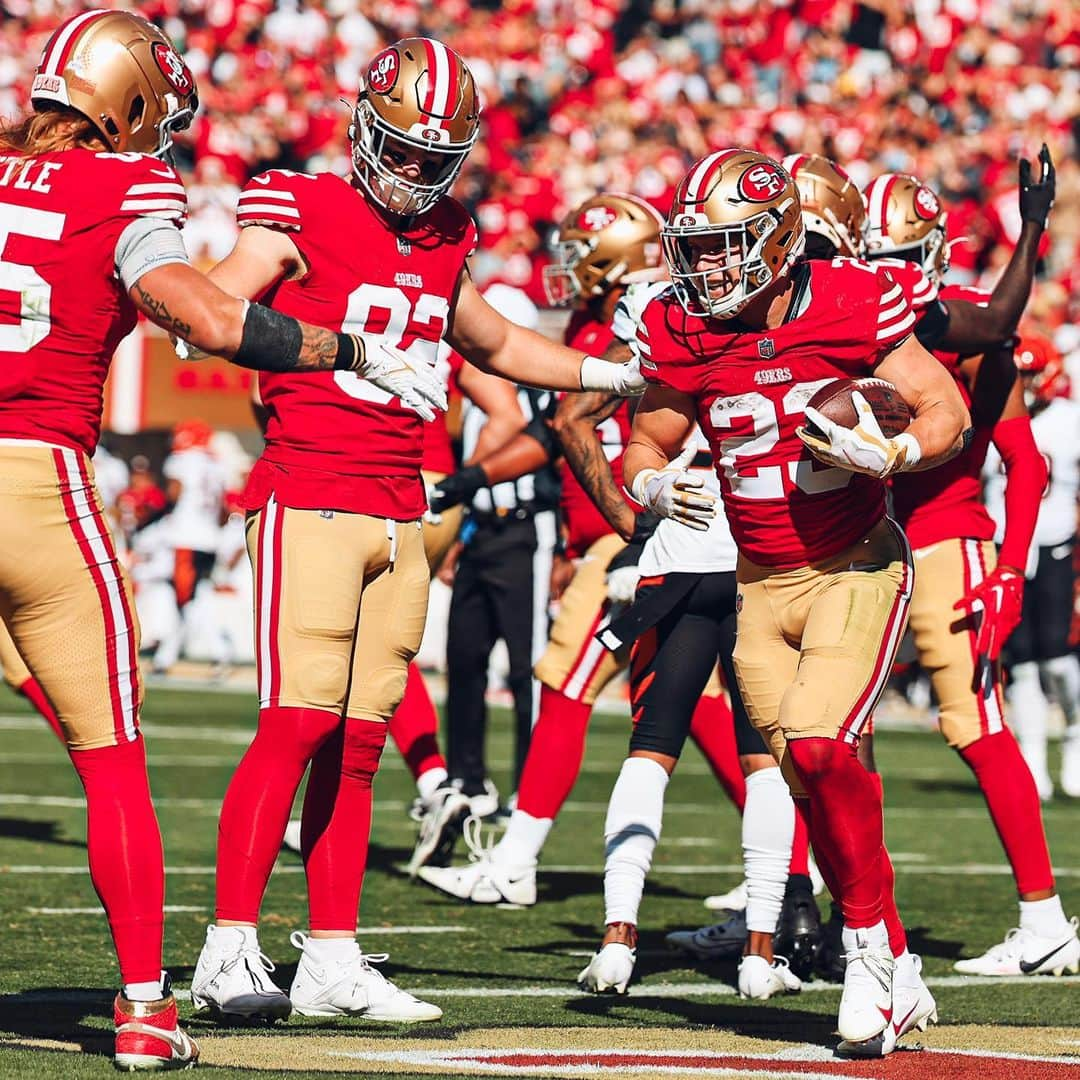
(472, 829)
(878, 966)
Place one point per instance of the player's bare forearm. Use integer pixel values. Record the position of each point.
(576, 421)
(972, 327)
(996, 392)
(941, 417)
(662, 424)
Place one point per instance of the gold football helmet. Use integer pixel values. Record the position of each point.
(832, 206)
(418, 109)
(123, 74)
(738, 212)
(904, 218)
(598, 243)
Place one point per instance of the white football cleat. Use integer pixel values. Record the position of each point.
(439, 819)
(866, 1005)
(232, 979)
(914, 1009)
(484, 882)
(352, 987)
(733, 900)
(609, 969)
(759, 980)
(1025, 953)
(291, 839)
(1070, 764)
(721, 941)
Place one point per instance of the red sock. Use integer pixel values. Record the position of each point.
(555, 752)
(713, 729)
(257, 805)
(890, 912)
(123, 842)
(337, 822)
(845, 821)
(32, 691)
(414, 727)
(800, 842)
(1013, 802)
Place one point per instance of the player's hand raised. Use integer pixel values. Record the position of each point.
(1000, 599)
(863, 448)
(674, 492)
(1037, 196)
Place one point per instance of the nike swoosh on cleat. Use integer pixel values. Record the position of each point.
(887, 1013)
(1029, 966)
(899, 1028)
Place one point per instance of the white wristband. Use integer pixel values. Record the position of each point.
(912, 450)
(597, 374)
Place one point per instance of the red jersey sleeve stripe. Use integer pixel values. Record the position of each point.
(156, 189)
(898, 329)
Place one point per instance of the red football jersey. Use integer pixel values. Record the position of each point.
(918, 287)
(785, 508)
(946, 502)
(438, 452)
(582, 521)
(63, 310)
(333, 440)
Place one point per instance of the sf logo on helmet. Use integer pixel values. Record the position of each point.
(596, 218)
(173, 68)
(762, 182)
(383, 72)
(926, 204)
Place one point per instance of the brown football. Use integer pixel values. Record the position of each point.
(834, 401)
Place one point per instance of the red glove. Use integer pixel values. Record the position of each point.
(1000, 598)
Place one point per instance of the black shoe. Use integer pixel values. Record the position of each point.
(830, 960)
(798, 934)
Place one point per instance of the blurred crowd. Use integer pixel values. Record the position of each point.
(581, 95)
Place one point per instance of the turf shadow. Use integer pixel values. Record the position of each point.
(58, 1012)
(39, 832)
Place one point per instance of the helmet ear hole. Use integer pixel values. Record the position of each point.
(135, 113)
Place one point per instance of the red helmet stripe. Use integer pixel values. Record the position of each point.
(60, 49)
(795, 162)
(700, 176)
(439, 86)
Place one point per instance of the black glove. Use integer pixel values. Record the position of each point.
(1036, 197)
(456, 489)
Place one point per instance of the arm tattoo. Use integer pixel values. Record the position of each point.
(318, 349)
(585, 455)
(160, 313)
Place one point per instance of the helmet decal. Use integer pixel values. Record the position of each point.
(762, 182)
(173, 68)
(926, 203)
(595, 218)
(383, 71)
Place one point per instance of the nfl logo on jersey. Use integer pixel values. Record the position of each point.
(766, 349)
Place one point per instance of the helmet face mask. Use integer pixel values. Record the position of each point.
(735, 229)
(598, 243)
(416, 119)
(121, 73)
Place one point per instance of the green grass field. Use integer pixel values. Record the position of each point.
(57, 971)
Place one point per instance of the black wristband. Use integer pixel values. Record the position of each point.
(272, 342)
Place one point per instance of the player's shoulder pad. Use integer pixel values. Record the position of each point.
(146, 186)
(274, 198)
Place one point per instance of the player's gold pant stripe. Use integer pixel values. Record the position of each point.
(92, 535)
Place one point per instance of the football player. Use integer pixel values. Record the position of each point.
(951, 535)
(89, 236)
(382, 255)
(602, 244)
(1039, 648)
(747, 336)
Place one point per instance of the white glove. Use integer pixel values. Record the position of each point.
(675, 493)
(625, 380)
(412, 380)
(863, 448)
(622, 584)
